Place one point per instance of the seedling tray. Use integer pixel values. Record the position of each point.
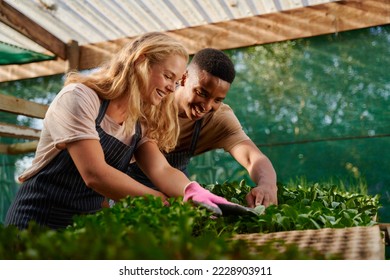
(352, 243)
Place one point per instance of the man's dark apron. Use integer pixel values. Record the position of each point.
(57, 193)
(177, 159)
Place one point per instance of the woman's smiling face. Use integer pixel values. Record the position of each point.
(164, 77)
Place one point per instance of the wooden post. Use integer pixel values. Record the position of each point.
(73, 55)
(22, 148)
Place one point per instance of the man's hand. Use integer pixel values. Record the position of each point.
(261, 172)
(262, 195)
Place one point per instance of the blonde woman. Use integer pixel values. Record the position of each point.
(93, 127)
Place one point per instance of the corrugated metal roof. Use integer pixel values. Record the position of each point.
(92, 21)
(82, 34)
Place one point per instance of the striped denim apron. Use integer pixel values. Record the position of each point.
(57, 193)
(177, 159)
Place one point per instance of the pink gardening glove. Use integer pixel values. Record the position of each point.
(200, 196)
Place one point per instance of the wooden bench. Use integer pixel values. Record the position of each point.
(26, 108)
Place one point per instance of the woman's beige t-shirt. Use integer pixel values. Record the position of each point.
(71, 117)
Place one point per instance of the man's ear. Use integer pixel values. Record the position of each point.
(183, 79)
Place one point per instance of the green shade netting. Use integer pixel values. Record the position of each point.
(10, 54)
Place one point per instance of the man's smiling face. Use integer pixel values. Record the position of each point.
(202, 93)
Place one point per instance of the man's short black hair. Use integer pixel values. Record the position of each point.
(215, 62)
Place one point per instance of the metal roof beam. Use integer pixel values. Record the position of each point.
(24, 25)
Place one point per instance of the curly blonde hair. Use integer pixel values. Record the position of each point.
(126, 74)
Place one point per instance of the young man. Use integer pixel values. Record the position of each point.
(206, 123)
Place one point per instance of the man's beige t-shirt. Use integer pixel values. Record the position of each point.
(220, 130)
(71, 117)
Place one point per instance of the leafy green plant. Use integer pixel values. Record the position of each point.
(143, 228)
(309, 206)
(137, 229)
